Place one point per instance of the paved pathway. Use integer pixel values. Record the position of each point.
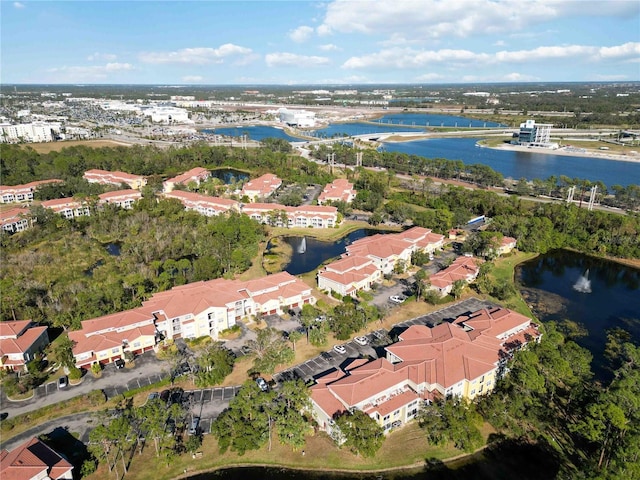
(148, 369)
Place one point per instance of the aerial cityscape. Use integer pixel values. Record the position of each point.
(349, 239)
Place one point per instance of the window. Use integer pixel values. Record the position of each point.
(115, 350)
(386, 417)
(482, 379)
(473, 392)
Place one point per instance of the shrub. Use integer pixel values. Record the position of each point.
(75, 373)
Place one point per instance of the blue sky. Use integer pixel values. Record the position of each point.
(333, 42)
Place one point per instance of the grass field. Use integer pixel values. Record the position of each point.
(406, 447)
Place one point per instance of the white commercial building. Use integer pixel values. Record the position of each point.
(168, 115)
(297, 118)
(28, 132)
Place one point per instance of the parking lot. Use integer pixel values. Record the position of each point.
(331, 359)
(376, 341)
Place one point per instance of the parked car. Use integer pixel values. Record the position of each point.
(176, 395)
(119, 363)
(164, 395)
(153, 396)
(195, 425)
(63, 381)
(262, 383)
(340, 349)
(170, 426)
(397, 298)
(361, 340)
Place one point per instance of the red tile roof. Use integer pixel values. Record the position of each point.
(462, 268)
(197, 173)
(30, 460)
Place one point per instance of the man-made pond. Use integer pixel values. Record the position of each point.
(229, 175)
(309, 253)
(598, 294)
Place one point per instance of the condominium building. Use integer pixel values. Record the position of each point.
(22, 193)
(261, 187)
(372, 257)
(188, 311)
(463, 268)
(68, 207)
(14, 220)
(305, 216)
(120, 198)
(196, 175)
(463, 358)
(20, 341)
(105, 177)
(340, 190)
(34, 460)
(29, 132)
(204, 204)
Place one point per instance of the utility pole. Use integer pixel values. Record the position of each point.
(592, 197)
(570, 193)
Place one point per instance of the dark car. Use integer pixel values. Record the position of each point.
(63, 381)
(164, 395)
(119, 363)
(176, 395)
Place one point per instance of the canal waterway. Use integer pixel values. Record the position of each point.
(516, 164)
(511, 164)
(253, 132)
(595, 293)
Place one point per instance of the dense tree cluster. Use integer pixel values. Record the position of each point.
(549, 395)
(254, 417)
(60, 273)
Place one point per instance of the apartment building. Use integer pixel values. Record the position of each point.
(349, 275)
(463, 358)
(68, 207)
(14, 220)
(463, 268)
(305, 216)
(204, 204)
(29, 132)
(105, 177)
(196, 175)
(373, 257)
(20, 341)
(340, 190)
(120, 198)
(188, 311)
(261, 187)
(22, 193)
(34, 460)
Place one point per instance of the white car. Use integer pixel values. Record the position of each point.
(262, 383)
(361, 340)
(340, 349)
(397, 298)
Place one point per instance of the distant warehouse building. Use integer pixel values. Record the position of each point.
(535, 134)
(297, 118)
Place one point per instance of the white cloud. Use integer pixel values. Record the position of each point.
(284, 59)
(301, 34)
(107, 57)
(429, 19)
(499, 43)
(329, 47)
(94, 72)
(192, 78)
(19, 5)
(197, 56)
(517, 77)
(407, 58)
